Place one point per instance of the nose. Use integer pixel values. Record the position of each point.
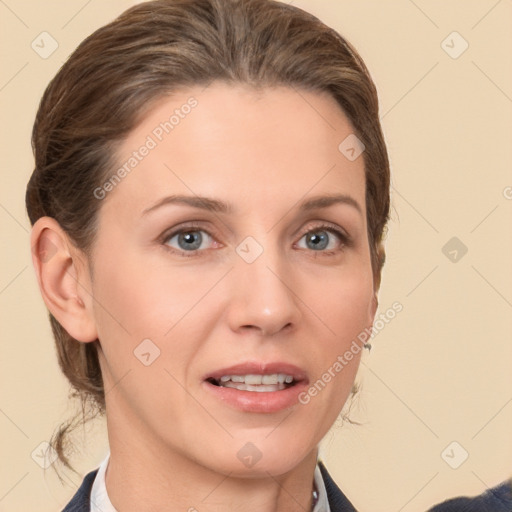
(263, 298)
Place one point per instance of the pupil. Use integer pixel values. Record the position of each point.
(318, 241)
(192, 240)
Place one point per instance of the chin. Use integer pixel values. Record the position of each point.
(259, 457)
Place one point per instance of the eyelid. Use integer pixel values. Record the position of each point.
(183, 228)
(328, 226)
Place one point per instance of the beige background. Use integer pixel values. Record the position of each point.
(440, 371)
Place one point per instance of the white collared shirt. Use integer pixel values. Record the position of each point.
(100, 502)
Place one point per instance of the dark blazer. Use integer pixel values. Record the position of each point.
(497, 499)
(337, 500)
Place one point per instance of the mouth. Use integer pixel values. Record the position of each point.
(257, 387)
(255, 382)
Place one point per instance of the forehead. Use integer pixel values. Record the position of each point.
(254, 147)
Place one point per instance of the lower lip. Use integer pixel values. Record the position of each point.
(256, 401)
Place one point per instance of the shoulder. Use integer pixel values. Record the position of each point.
(496, 499)
(81, 500)
(338, 502)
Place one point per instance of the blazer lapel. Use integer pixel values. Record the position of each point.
(338, 502)
(81, 501)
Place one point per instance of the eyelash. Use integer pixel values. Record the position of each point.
(345, 240)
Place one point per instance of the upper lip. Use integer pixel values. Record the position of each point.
(259, 368)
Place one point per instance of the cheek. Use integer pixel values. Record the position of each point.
(128, 313)
(138, 301)
(138, 311)
(139, 298)
(343, 304)
(344, 312)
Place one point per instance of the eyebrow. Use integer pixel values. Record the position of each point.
(217, 206)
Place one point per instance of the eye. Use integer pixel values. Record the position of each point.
(324, 238)
(188, 240)
(191, 240)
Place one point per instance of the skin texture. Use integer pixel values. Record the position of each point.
(264, 152)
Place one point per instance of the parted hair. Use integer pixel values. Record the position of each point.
(115, 75)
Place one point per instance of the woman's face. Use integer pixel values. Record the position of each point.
(254, 280)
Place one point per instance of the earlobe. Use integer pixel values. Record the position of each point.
(63, 280)
(372, 310)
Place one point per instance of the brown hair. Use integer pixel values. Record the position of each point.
(152, 49)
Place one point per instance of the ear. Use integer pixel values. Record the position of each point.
(63, 278)
(375, 304)
(381, 256)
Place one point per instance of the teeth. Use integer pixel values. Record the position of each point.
(253, 379)
(257, 380)
(258, 388)
(270, 379)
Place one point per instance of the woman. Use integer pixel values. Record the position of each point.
(208, 204)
